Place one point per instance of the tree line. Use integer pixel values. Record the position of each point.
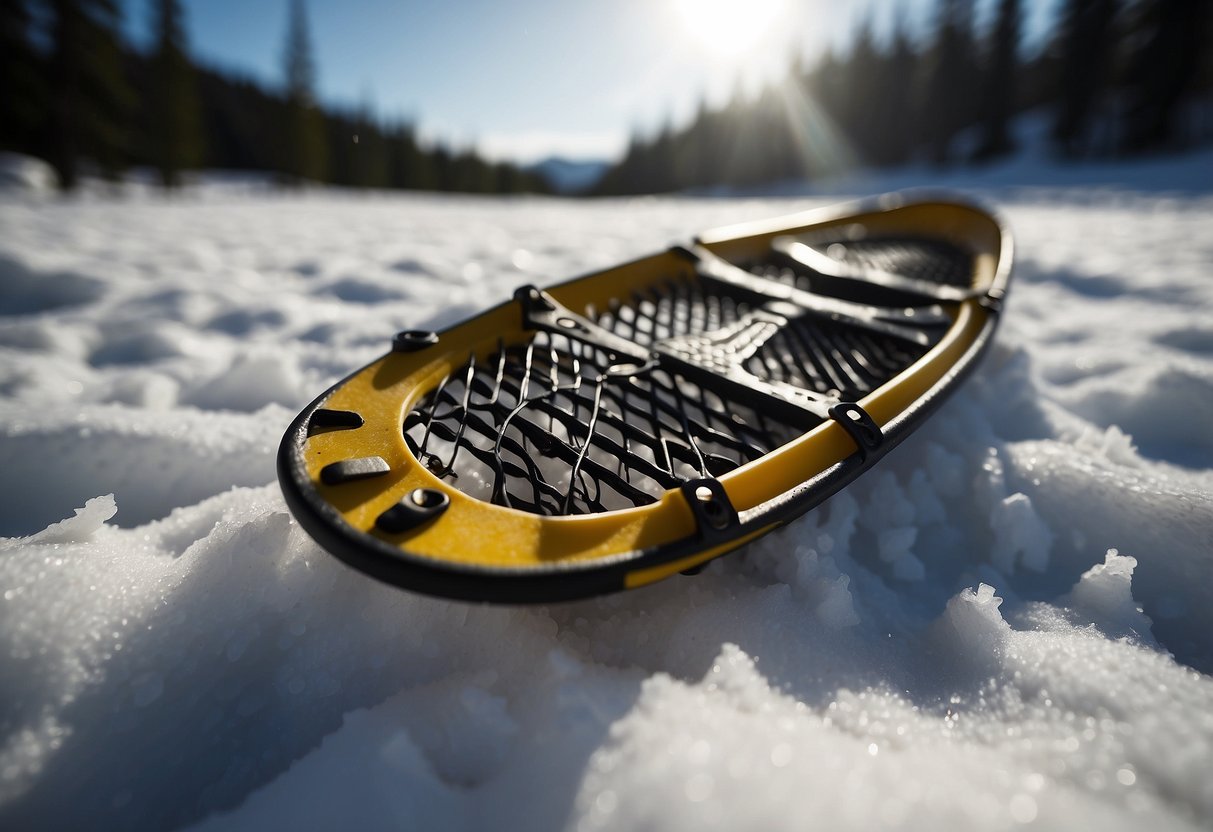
(1119, 77)
(76, 95)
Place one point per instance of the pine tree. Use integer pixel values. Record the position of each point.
(23, 103)
(369, 153)
(1086, 50)
(412, 168)
(998, 89)
(863, 116)
(304, 145)
(897, 98)
(950, 93)
(174, 128)
(91, 99)
(1171, 34)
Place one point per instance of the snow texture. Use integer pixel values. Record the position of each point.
(1008, 622)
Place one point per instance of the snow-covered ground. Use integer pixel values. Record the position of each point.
(1009, 621)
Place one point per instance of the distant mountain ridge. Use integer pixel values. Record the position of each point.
(570, 176)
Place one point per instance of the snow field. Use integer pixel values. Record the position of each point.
(1007, 622)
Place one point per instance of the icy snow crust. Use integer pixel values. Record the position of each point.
(1008, 621)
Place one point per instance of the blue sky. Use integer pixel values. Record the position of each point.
(524, 79)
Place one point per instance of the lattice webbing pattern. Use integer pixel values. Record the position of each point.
(677, 307)
(930, 260)
(827, 357)
(554, 427)
(551, 427)
(813, 353)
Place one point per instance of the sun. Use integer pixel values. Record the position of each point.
(730, 28)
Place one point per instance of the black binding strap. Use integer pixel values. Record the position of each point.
(861, 427)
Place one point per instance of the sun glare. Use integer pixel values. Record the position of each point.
(730, 28)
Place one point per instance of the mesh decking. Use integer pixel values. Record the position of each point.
(556, 426)
(931, 261)
(826, 357)
(544, 427)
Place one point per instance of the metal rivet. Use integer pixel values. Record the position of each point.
(715, 513)
(412, 340)
(427, 497)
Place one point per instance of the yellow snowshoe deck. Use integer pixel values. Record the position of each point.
(634, 423)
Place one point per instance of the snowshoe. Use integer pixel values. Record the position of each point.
(632, 424)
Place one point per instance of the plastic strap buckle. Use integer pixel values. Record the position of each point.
(860, 426)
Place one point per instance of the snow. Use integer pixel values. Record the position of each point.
(25, 173)
(1007, 622)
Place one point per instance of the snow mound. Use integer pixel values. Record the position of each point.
(954, 641)
(24, 291)
(150, 459)
(1104, 596)
(26, 174)
(81, 527)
